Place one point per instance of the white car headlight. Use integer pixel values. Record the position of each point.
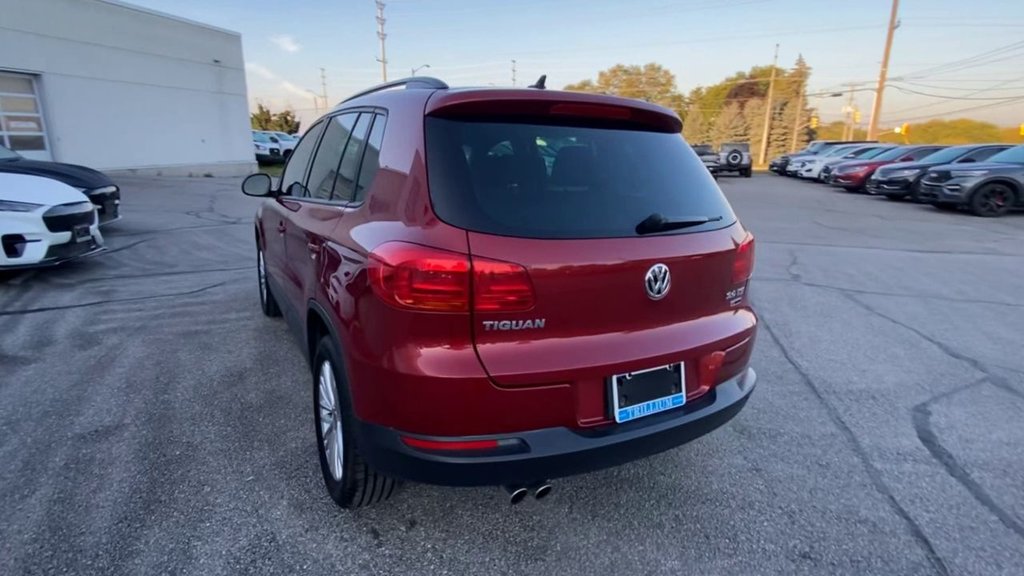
(967, 173)
(261, 148)
(905, 173)
(12, 206)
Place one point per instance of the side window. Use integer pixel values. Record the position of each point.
(371, 158)
(981, 155)
(348, 171)
(325, 166)
(295, 171)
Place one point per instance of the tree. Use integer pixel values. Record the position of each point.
(695, 128)
(650, 82)
(264, 119)
(730, 126)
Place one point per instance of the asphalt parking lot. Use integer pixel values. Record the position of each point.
(153, 421)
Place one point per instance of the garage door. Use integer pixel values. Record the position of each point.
(21, 117)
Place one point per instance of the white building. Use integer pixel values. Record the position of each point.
(117, 87)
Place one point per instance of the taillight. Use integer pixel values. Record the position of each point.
(429, 279)
(501, 287)
(743, 265)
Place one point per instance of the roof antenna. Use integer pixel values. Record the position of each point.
(539, 84)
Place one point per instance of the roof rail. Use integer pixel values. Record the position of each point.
(411, 82)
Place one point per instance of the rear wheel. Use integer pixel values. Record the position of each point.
(746, 172)
(349, 479)
(992, 200)
(267, 301)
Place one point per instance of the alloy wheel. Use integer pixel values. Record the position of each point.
(330, 420)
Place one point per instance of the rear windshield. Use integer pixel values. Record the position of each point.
(545, 181)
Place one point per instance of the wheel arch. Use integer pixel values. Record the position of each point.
(1008, 182)
(318, 325)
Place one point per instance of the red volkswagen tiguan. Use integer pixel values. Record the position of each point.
(504, 286)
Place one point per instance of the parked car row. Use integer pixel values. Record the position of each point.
(986, 179)
(51, 212)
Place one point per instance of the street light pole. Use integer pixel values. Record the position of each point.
(418, 68)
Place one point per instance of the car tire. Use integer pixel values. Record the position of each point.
(287, 154)
(349, 480)
(267, 301)
(746, 172)
(991, 200)
(734, 158)
(896, 197)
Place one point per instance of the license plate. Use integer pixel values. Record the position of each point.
(81, 233)
(646, 392)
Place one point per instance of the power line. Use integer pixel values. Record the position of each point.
(963, 63)
(967, 109)
(947, 97)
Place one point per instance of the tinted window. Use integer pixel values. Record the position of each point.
(371, 157)
(1013, 155)
(875, 152)
(946, 155)
(922, 153)
(295, 170)
(260, 137)
(325, 166)
(892, 154)
(544, 181)
(344, 186)
(983, 154)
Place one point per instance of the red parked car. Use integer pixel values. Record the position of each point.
(853, 176)
(504, 286)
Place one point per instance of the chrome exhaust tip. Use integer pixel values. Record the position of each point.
(516, 494)
(541, 490)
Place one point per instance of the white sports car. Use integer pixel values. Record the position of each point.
(43, 222)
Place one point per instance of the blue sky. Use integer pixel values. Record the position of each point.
(701, 41)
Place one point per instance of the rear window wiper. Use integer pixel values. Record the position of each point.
(659, 223)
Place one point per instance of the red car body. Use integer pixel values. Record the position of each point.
(854, 175)
(474, 358)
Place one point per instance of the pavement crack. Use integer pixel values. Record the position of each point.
(929, 439)
(111, 301)
(874, 474)
(796, 277)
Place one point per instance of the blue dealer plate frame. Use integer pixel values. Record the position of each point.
(630, 413)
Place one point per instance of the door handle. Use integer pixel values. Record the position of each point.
(281, 228)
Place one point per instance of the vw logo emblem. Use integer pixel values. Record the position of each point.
(657, 281)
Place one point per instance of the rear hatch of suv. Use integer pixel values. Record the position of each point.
(580, 204)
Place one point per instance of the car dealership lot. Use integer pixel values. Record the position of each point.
(151, 419)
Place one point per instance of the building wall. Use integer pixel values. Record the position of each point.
(124, 88)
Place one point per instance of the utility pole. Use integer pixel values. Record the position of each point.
(323, 87)
(848, 116)
(876, 106)
(768, 109)
(513, 72)
(380, 34)
(799, 114)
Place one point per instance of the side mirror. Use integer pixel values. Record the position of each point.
(966, 161)
(256, 185)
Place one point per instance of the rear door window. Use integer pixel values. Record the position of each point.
(348, 170)
(295, 171)
(981, 155)
(371, 157)
(554, 181)
(325, 166)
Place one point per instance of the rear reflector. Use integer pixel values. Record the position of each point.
(433, 280)
(453, 446)
(743, 265)
(710, 366)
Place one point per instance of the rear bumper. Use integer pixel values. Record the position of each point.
(556, 452)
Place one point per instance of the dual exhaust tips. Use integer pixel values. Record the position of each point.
(517, 493)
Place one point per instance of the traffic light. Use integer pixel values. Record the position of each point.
(1022, 129)
(905, 129)
(814, 124)
(856, 116)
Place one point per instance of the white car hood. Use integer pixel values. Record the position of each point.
(37, 190)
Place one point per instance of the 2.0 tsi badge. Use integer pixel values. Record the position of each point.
(657, 281)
